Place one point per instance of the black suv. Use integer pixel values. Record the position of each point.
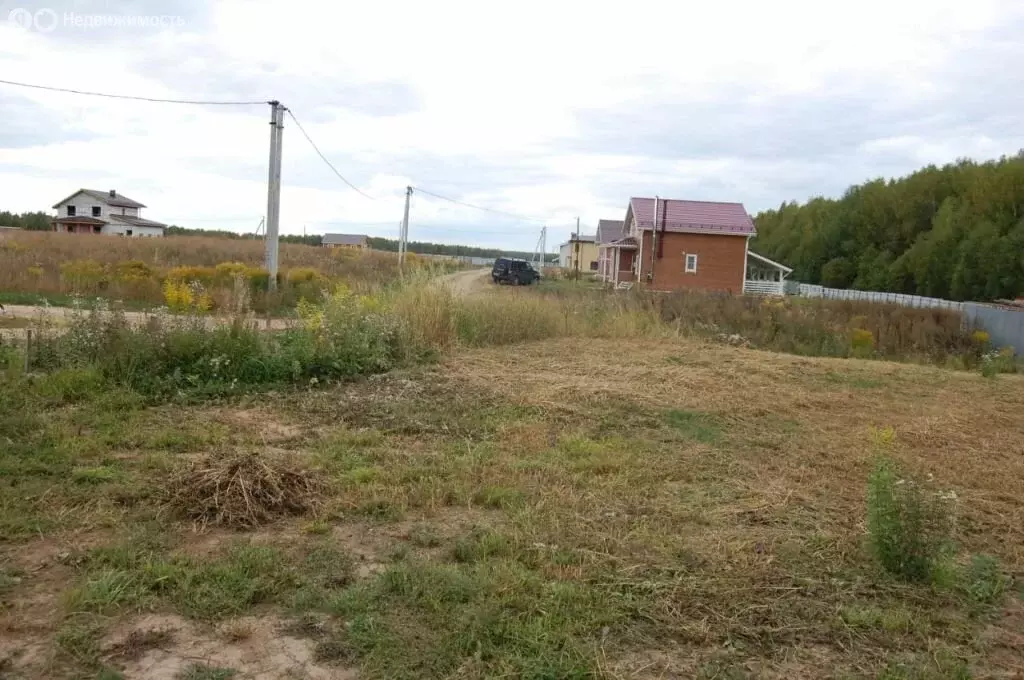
(516, 272)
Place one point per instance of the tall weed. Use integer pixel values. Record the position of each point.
(909, 525)
(192, 354)
(837, 328)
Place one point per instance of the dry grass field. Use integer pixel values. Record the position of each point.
(52, 266)
(568, 508)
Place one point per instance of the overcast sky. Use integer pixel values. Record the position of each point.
(552, 109)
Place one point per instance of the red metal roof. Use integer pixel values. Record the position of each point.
(693, 216)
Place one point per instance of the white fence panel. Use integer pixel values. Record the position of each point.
(919, 301)
(763, 287)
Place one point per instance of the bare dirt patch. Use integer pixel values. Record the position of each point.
(265, 424)
(258, 648)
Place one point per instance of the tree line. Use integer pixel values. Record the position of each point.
(955, 232)
(33, 221)
(40, 221)
(428, 248)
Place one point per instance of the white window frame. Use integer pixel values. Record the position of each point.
(686, 263)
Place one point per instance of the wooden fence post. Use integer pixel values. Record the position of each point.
(28, 347)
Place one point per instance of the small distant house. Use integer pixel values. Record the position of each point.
(88, 211)
(359, 241)
(668, 244)
(580, 248)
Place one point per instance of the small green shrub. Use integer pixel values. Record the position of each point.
(983, 581)
(998, 361)
(862, 343)
(910, 527)
(174, 355)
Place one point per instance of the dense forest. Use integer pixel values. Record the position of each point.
(953, 232)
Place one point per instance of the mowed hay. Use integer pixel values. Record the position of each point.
(245, 490)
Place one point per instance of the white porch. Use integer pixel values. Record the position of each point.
(764, 276)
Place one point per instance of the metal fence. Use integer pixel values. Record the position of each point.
(1005, 325)
(920, 301)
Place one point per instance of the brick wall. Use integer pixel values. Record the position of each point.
(720, 262)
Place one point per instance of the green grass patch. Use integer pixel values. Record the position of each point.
(202, 671)
(499, 497)
(897, 620)
(138, 576)
(422, 620)
(101, 474)
(697, 426)
(483, 544)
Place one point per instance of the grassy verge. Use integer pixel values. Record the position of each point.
(604, 519)
(356, 334)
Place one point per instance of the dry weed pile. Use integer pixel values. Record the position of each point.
(243, 491)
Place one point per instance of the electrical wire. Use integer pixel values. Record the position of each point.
(309, 139)
(324, 158)
(478, 207)
(133, 97)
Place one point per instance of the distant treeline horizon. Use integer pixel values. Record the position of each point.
(40, 221)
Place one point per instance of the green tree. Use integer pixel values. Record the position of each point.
(954, 231)
(838, 272)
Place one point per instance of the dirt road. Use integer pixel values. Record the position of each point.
(467, 282)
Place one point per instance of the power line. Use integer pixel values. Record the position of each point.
(128, 96)
(478, 207)
(309, 139)
(324, 158)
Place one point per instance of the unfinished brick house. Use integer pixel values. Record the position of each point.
(667, 244)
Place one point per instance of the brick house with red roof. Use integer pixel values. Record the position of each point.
(667, 244)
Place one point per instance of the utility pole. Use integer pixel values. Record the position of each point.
(274, 191)
(538, 250)
(404, 234)
(576, 251)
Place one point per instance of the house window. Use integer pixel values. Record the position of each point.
(127, 232)
(691, 263)
(95, 211)
(71, 211)
(593, 266)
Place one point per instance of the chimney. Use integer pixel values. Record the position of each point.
(113, 193)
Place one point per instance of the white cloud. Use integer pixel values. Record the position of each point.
(555, 109)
